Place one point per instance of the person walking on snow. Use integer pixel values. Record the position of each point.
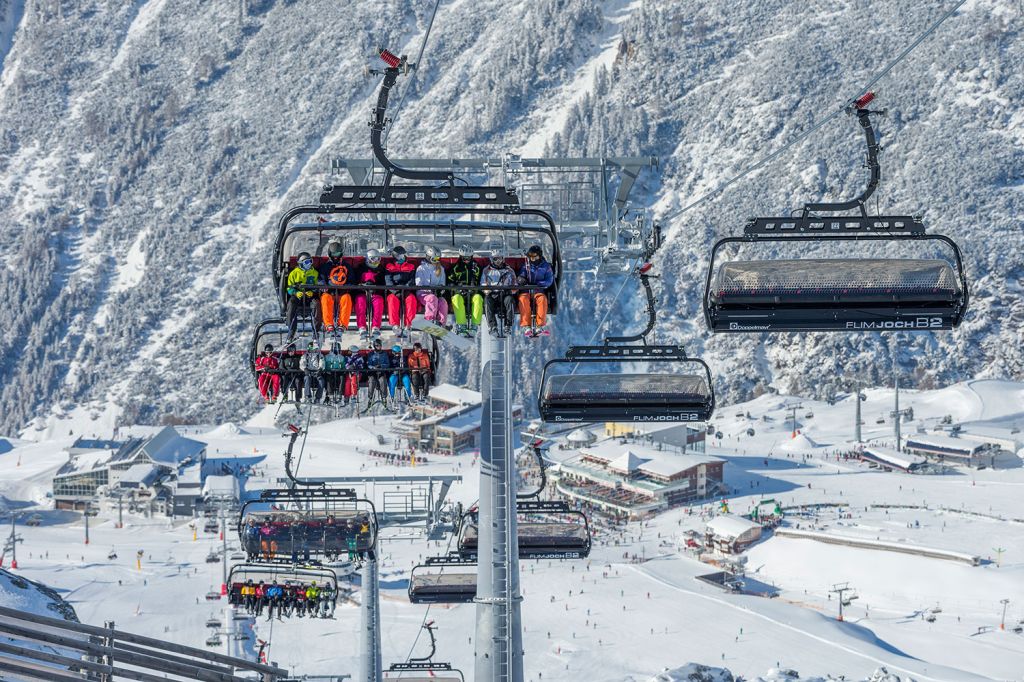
(464, 273)
(335, 305)
(500, 303)
(300, 301)
(419, 366)
(431, 274)
(401, 272)
(268, 380)
(533, 305)
(370, 274)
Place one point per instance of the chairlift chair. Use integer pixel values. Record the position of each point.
(618, 382)
(447, 579)
(285, 525)
(281, 574)
(424, 668)
(442, 214)
(865, 290)
(564, 534)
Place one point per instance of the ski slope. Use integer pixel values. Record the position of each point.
(610, 618)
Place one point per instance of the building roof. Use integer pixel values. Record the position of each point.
(730, 526)
(936, 440)
(456, 395)
(221, 486)
(653, 460)
(96, 444)
(581, 437)
(141, 475)
(466, 421)
(87, 461)
(166, 448)
(627, 462)
(894, 457)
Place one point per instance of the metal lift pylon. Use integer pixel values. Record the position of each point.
(499, 639)
(371, 669)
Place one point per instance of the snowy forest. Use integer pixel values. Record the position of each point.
(147, 149)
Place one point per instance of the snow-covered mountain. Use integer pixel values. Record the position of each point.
(146, 149)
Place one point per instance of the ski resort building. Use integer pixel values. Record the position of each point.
(731, 534)
(681, 436)
(449, 422)
(138, 466)
(949, 450)
(634, 479)
(892, 460)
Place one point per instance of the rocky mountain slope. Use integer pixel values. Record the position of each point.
(148, 147)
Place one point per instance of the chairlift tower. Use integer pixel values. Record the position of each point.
(371, 668)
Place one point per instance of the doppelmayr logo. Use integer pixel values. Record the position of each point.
(736, 326)
(916, 323)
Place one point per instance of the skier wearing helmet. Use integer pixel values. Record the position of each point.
(300, 300)
(334, 369)
(500, 303)
(379, 362)
(430, 273)
(419, 364)
(268, 380)
(335, 305)
(463, 274)
(292, 374)
(355, 363)
(370, 274)
(533, 305)
(398, 362)
(401, 272)
(312, 365)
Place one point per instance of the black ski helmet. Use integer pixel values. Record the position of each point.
(377, 343)
(399, 253)
(268, 348)
(535, 250)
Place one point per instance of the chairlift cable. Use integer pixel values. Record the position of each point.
(302, 448)
(412, 78)
(803, 136)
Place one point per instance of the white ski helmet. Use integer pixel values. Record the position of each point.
(373, 258)
(432, 254)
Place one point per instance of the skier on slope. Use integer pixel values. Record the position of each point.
(371, 273)
(301, 301)
(430, 273)
(533, 304)
(378, 362)
(464, 273)
(402, 305)
(268, 380)
(335, 305)
(500, 303)
(419, 367)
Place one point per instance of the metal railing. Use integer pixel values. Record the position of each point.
(54, 649)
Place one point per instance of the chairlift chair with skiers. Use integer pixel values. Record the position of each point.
(447, 579)
(307, 525)
(284, 575)
(924, 287)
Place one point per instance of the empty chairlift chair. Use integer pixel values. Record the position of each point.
(626, 383)
(545, 530)
(841, 273)
(446, 579)
(424, 668)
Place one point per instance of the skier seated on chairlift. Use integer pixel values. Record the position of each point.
(335, 306)
(291, 374)
(300, 301)
(268, 380)
(419, 368)
(499, 303)
(533, 305)
(355, 363)
(399, 375)
(378, 362)
(464, 273)
(430, 273)
(401, 303)
(312, 366)
(370, 274)
(334, 370)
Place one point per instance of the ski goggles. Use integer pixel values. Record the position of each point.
(306, 263)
